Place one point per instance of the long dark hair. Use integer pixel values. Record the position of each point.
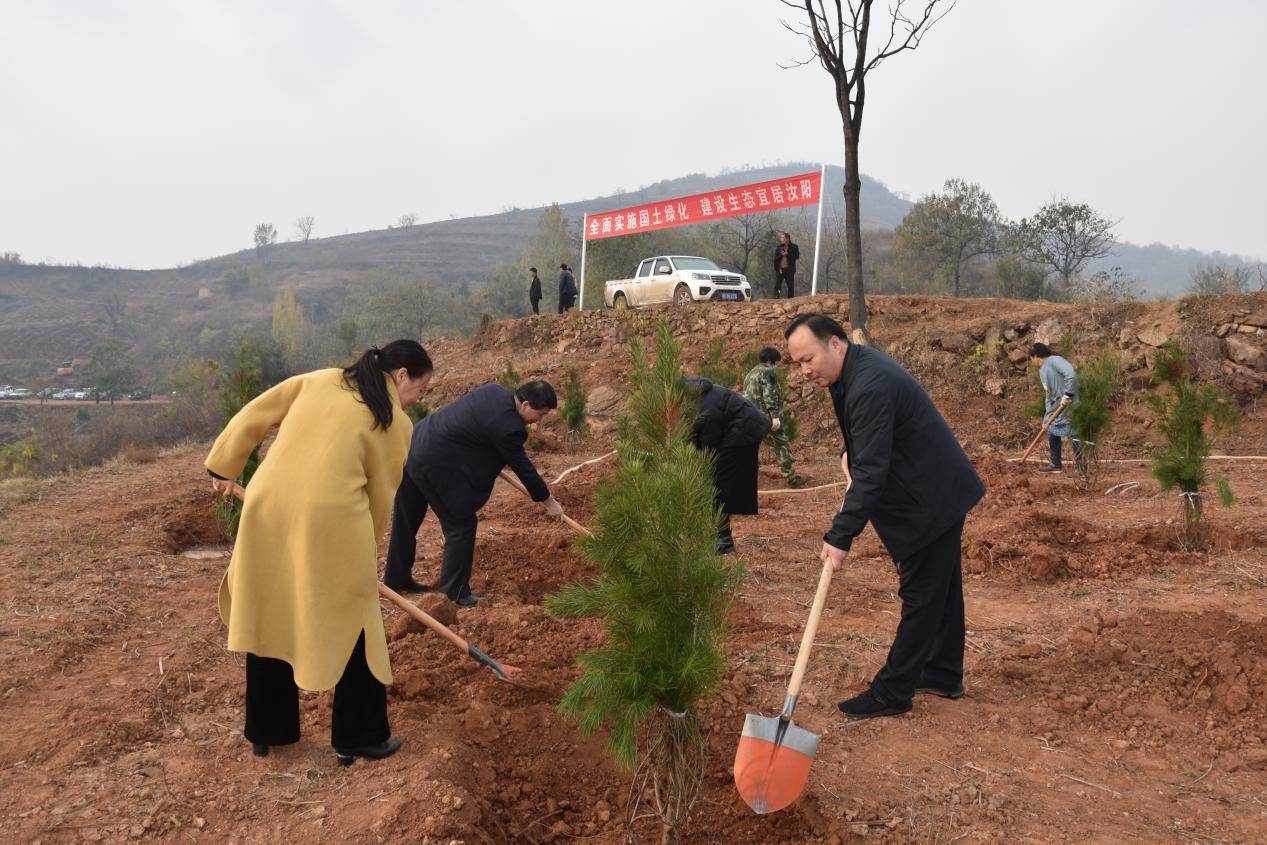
(367, 374)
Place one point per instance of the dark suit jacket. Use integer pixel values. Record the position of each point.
(793, 255)
(911, 478)
(726, 419)
(460, 449)
(534, 288)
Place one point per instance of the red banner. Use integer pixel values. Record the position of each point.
(701, 208)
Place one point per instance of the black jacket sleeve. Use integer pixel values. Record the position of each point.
(509, 442)
(870, 454)
(793, 253)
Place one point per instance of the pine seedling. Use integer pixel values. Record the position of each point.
(1188, 416)
(242, 383)
(662, 593)
(508, 378)
(574, 400)
(1092, 415)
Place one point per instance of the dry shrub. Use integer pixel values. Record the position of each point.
(134, 454)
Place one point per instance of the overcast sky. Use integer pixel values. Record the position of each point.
(149, 133)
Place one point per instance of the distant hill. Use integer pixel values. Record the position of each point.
(49, 314)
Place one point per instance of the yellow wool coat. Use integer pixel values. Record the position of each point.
(303, 580)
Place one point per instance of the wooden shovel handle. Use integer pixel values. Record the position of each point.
(811, 629)
(422, 616)
(1046, 424)
(572, 523)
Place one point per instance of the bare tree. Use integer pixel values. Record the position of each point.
(407, 221)
(740, 238)
(839, 42)
(114, 306)
(303, 227)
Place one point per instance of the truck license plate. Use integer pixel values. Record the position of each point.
(730, 295)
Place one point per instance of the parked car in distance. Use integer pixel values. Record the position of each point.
(139, 393)
(64, 393)
(47, 393)
(21, 393)
(680, 279)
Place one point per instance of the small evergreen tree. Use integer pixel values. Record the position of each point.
(509, 379)
(241, 384)
(1182, 415)
(574, 399)
(662, 593)
(1091, 415)
(715, 369)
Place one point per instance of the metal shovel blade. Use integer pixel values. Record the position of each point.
(504, 671)
(772, 762)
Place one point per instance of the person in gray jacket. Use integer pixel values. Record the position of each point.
(1059, 380)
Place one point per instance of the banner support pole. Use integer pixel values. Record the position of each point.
(580, 284)
(818, 230)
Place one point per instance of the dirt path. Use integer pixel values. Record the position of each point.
(1116, 688)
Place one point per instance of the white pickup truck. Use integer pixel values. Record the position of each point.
(680, 279)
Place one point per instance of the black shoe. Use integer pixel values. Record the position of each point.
(469, 600)
(347, 756)
(952, 693)
(410, 586)
(259, 749)
(867, 706)
(726, 548)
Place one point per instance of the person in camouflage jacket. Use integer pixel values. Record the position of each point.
(761, 388)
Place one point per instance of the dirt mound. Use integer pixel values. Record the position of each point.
(1156, 678)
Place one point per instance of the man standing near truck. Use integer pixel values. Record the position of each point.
(786, 255)
(567, 288)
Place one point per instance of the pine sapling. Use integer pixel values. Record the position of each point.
(1092, 415)
(509, 379)
(1188, 416)
(715, 369)
(663, 596)
(574, 401)
(242, 383)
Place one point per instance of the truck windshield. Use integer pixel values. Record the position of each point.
(694, 263)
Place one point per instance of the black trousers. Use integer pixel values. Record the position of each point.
(413, 497)
(565, 301)
(272, 703)
(788, 276)
(930, 636)
(536, 305)
(1053, 441)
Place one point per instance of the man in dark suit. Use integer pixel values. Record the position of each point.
(534, 290)
(567, 288)
(732, 428)
(786, 254)
(915, 484)
(454, 460)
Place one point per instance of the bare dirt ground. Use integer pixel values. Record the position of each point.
(1117, 687)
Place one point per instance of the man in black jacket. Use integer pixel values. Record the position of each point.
(786, 254)
(733, 428)
(567, 288)
(454, 460)
(914, 483)
(534, 291)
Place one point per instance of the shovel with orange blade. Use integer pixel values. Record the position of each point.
(774, 756)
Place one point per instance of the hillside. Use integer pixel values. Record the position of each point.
(49, 314)
(1116, 684)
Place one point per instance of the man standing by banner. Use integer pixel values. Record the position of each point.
(567, 288)
(785, 258)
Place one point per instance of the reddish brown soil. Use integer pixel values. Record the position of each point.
(1116, 685)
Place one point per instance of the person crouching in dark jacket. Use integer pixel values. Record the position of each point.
(733, 428)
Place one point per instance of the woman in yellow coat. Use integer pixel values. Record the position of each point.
(301, 593)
